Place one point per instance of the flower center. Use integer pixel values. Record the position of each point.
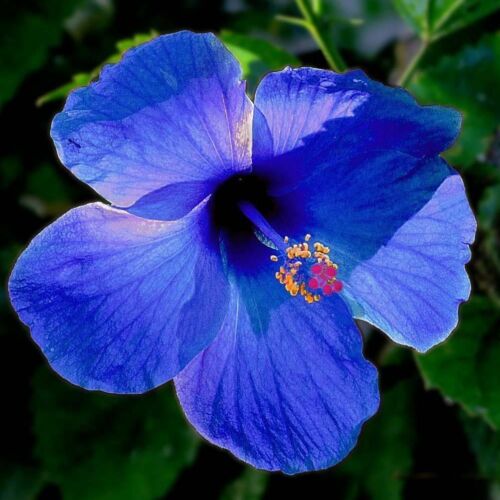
(306, 269)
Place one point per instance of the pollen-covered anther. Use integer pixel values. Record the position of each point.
(308, 271)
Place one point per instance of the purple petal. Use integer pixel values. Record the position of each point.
(362, 167)
(356, 205)
(284, 386)
(412, 287)
(172, 112)
(119, 303)
(305, 117)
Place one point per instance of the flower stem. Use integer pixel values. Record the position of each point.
(318, 30)
(408, 72)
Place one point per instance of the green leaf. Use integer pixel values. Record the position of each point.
(257, 57)
(489, 208)
(107, 447)
(26, 39)
(82, 79)
(433, 19)
(379, 463)
(467, 81)
(449, 16)
(251, 485)
(485, 444)
(415, 13)
(129, 43)
(78, 80)
(465, 367)
(487, 248)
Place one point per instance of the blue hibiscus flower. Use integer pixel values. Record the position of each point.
(242, 239)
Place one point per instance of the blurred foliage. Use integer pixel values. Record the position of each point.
(26, 39)
(128, 448)
(433, 19)
(20, 483)
(257, 56)
(485, 444)
(465, 368)
(251, 485)
(476, 96)
(435, 433)
(384, 455)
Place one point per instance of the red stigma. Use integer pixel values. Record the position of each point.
(330, 272)
(307, 270)
(313, 283)
(317, 269)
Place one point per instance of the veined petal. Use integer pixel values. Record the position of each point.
(412, 287)
(172, 112)
(363, 175)
(284, 386)
(356, 205)
(306, 116)
(399, 229)
(118, 303)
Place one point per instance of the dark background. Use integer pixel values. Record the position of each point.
(435, 433)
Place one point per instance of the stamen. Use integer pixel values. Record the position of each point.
(311, 274)
(306, 269)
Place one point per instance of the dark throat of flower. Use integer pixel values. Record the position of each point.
(304, 268)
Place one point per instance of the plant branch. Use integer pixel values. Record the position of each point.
(318, 30)
(295, 21)
(447, 14)
(408, 72)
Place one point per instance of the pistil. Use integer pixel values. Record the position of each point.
(306, 268)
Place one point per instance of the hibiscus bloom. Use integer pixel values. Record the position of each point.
(242, 239)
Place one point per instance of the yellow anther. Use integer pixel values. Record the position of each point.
(295, 279)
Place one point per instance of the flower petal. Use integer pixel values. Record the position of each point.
(119, 303)
(357, 204)
(412, 287)
(171, 111)
(304, 116)
(284, 386)
(399, 229)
